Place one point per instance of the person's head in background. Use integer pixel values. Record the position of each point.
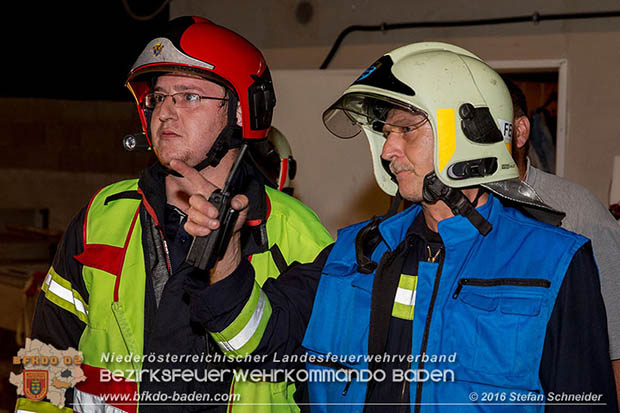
(521, 127)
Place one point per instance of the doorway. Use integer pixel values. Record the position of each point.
(544, 84)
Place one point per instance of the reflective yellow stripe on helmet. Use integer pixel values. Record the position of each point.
(446, 136)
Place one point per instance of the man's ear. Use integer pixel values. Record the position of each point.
(239, 115)
(521, 131)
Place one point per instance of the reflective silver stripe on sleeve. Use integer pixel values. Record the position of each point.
(248, 331)
(66, 294)
(48, 279)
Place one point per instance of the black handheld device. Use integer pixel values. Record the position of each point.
(206, 251)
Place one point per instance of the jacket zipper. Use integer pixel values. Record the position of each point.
(402, 391)
(338, 366)
(494, 282)
(429, 317)
(151, 212)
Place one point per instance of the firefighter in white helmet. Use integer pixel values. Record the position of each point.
(465, 286)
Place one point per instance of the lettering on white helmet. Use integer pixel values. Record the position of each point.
(506, 128)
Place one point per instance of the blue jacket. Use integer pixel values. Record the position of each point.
(490, 308)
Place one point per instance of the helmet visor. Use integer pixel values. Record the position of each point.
(351, 112)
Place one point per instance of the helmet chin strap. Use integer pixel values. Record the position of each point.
(434, 190)
(229, 138)
(369, 237)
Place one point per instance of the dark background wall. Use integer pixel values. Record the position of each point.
(63, 106)
(63, 112)
(73, 50)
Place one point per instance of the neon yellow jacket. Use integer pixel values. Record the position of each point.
(114, 278)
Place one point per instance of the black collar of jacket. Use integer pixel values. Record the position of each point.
(420, 230)
(249, 181)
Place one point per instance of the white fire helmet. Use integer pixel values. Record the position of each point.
(466, 102)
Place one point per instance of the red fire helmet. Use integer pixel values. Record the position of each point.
(198, 46)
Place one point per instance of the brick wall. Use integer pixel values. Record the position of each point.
(56, 153)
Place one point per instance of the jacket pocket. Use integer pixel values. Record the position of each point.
(340, 316)
(334, 383)
(100, 285)
(495, 282)
(497, 327)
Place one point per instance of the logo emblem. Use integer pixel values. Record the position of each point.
(367, 73)
(158, 48)
(35, 384)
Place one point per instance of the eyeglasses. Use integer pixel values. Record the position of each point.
(179, 99)
(387, 128)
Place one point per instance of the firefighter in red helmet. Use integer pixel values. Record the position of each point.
(120, 290)
(196, 48)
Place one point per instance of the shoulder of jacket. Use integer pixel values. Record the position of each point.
(282, 205)
(115, 188)
(518, 222)
(120, 186)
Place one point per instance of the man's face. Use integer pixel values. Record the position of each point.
(410, 152)
(186, 134)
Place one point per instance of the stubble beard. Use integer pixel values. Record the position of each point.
(166, 156)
